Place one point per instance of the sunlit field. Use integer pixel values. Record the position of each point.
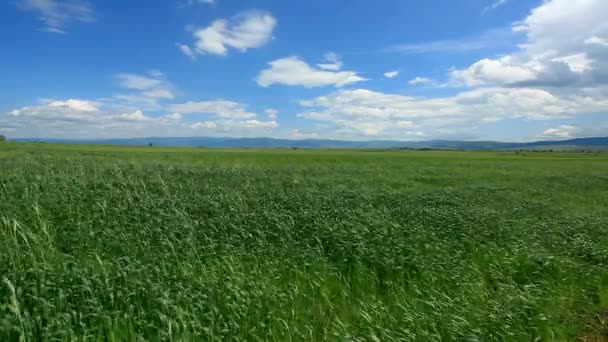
(179, 244)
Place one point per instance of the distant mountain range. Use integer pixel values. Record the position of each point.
(596, 142)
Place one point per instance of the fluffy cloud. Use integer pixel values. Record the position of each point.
(50, 117)
(420, 80)
(563, 48)
(57, 14)
(391, 74)
(79, 105)
(86, 119)
(493, 71)
(247, 30)
(218, 108)
(369, 113)
(561, 132)
(295, 72)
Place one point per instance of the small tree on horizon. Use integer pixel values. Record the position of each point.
(2, 138)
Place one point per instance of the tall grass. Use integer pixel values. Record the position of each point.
(210, 245)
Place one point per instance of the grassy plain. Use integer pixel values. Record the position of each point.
(117, 243)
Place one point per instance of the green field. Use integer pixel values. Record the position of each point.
(116, 244)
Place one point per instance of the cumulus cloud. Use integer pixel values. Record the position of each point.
(561, 132)
(391, 74)
(72, 112)
(87, 119)
(245, 31)
(563, 48)
(492, 71)
(57, 14)
(364, 112)
(295, 72)
(204, 124)
(420, 80)
(79, 105)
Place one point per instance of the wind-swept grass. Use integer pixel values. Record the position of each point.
(109, 243)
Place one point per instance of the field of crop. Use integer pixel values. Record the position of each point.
(113, 243)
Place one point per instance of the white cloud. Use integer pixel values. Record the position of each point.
(563, 48)
(420, 80)
(86, 119)
(295, 72)
(159, 93)
(492, 71)
(391, 74)
(150, 89)
(405, 124)
(72, 111)
(174, 116)
(224, 126)
(597, 41)
(272, 113)
(333, 62)
(247, 30)
(57, 14)
(563, 25)
(495, 5)
(218, 108)
(186, 50)
(259, 124)
(85, 106)
(205, 124)
(576, 63)
(561, 132)
(133, 81)
(137, 115)
(364, 112)
(416, 133)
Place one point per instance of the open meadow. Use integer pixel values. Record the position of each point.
(176, 244)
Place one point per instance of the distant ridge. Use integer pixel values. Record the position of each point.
(594, 142)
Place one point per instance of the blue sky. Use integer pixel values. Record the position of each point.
(507, 70)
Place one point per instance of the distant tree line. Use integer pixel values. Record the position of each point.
(2, 138)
